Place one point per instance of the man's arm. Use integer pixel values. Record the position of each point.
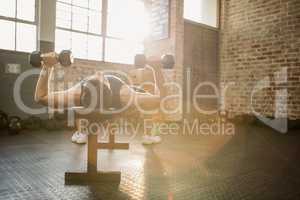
(41, 90)
(151, 99)
(62, 99)
(158, 77)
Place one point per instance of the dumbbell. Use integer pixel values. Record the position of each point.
(65, 58)
(167, 61)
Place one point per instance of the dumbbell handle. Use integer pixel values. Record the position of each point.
(167, 61)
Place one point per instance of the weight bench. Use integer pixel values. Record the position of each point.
(92, 176)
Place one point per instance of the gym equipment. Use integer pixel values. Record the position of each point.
(92, 176)
(3, 120)
(168, 61)
(14, 125)
(32, 123)
(65, 58)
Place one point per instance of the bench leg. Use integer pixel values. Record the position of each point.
(84, 178)
(92, 176)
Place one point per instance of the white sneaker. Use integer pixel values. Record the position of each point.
(147, 140)
(156, 139)
(82, 138)
(74, 136)
(79, 138)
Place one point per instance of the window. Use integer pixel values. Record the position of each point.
(202, 11)
(18, 25)
(80, 28)
(79, 25)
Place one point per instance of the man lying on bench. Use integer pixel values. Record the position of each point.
(104, 92)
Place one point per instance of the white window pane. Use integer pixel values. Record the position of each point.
(62, 40)
(117, 5)
(79, 45)
(80, 19)
(94, 47)
(8, 8)
(26, 10)
(26, 37)
(7, 32)
(120, 51)
(116, 25)
(201, 11)
(95, 22)
(192, 10)
(95, 4)
(118, 18)
(63, 15)
(81, 3)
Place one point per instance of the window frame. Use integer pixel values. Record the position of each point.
(15, 20)
(103, 34)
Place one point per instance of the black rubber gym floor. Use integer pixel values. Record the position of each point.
(255, 163)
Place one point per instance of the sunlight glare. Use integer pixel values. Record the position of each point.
(128, 20)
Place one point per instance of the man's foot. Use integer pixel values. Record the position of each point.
(148, 140)
(82, 138)
(74, 137)
(79, 138)
(156, 139)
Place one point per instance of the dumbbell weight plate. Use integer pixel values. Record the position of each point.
(35, 59)
(168, 61)
(65, 58)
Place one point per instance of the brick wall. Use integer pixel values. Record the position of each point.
(260, 39)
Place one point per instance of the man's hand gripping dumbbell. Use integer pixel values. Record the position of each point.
(37, 59)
